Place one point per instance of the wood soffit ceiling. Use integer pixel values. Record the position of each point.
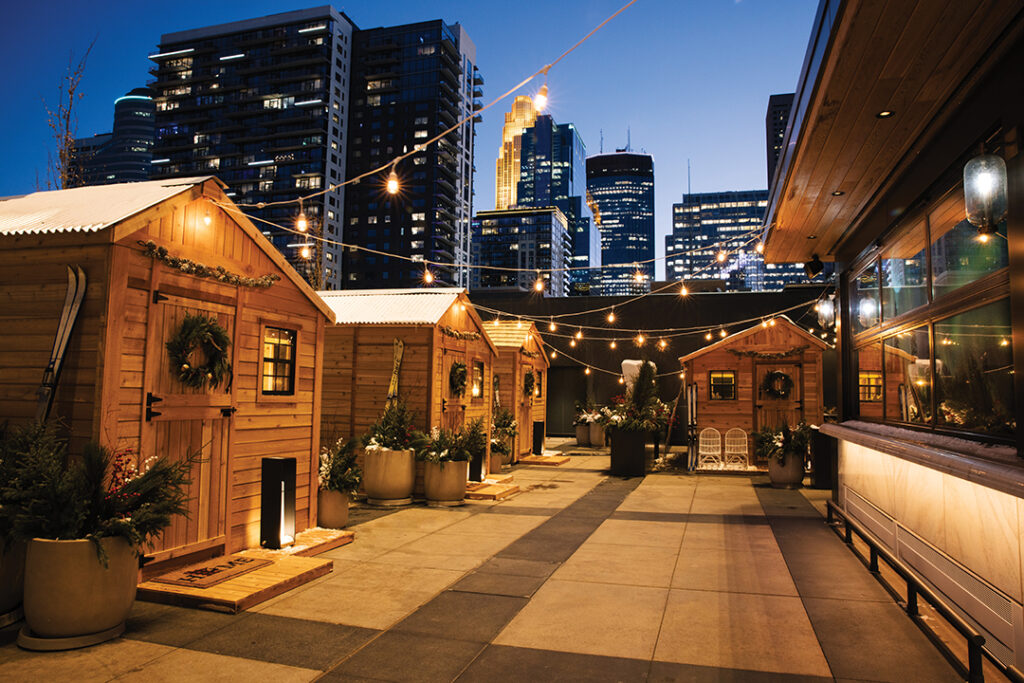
(908, 57)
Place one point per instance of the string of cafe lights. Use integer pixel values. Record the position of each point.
(393, 183)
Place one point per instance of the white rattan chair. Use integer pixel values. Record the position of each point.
(736, 449)
(709, 449)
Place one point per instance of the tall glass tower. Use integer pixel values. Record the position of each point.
(621, 189)
(506, 176)
(124, 154)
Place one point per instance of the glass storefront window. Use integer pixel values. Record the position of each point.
(908, 377)
(958, 256)
(904, 272)
(869, 381)
(974, 370)
(865, 300)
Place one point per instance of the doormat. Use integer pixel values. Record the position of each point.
(213, 571)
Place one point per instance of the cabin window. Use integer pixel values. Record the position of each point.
(869, 387)
(477, 390)
(722, 385)
(538, 390)
(279, 361)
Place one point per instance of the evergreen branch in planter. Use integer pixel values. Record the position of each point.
(338, 468)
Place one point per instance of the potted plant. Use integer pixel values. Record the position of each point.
(596, 428)
(389, 467)
(786, 451)
(446, 456)
(13, 445)
(504, 430)
(634, 420)
(339, 477)
(582, 423)
(85, 520)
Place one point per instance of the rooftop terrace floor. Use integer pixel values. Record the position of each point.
(579, 577)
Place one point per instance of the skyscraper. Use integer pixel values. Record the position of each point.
(506, 177)
(522, 240)
(124, 154)
(262, 104)
(705, 225)
(775, 122)
(410, 83)
(553, 173)
(621, 189)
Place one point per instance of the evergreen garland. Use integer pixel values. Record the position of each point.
(198, 331)
(777, 384)
(217, 273)
(457, 379)
(459, 334)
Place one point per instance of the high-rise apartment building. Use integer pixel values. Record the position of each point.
(409, 84)
(506, 176)
(517, 242)
(621, 192)
(775, 122)
(553, 173)
(263, 104)
(124, 154)
(705, 225)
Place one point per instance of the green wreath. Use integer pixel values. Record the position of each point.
(777, 384)
(529, 383)
(457, 379)
(198, 331)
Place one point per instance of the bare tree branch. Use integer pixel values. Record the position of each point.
(62, 171)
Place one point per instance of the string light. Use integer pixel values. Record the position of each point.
(708, 336)
(554, 355)
(428, 277)
(540, 100)
(586, 371)
(304, 251)
(611, 316)
(638, 276)
(721, 256)
(622, 380)
(572, 343)
(759, 248)
(538, 284)
(552, 326)
(579, 334)
(683, 291)
(612, 344)
(771, 322)
(722, 332)
(682, 375)
(662, 344)
(764, 323)
(206, 218)
(392, 181)
(640, 339)
(301, 224)
(519, 323)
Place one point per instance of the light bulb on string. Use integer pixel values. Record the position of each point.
(519, 323)
(771, 323)
(639, 339)
(764, 322)
(206, 218)
(611, 316)
(304, 251)
(622, 380)
(586, 371)
(682, 375)
(662, 344)
(722, 332)
(538, 284)
(638, 276)
(572, 343)
(579, 334)
(721, 256)
(612, 344)
(428, 277)
(392, 181)
(552, 326)
(540, 100)
(759, 248)
(554, 355)
(683, 291)
(708, 336)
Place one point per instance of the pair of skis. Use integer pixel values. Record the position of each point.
(72, 303)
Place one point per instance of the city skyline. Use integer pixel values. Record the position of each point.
(597, 87)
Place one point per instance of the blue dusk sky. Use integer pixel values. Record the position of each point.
(690, 79)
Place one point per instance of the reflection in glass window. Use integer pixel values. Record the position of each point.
(908, 370)
(958, 256)
(974, 370)
(278, 361)
(869, 369)
(904, 272)
(477, 389)
(865, 300)
(722, 385)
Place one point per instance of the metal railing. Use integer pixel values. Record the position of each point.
(915, 588)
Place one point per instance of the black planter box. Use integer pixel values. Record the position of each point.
(629, 453)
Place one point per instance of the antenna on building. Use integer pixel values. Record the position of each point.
(629, 146)
(688, 177)
(602, 141)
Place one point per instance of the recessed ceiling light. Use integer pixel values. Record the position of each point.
(812, 237)
(884, 114)
(838, 193)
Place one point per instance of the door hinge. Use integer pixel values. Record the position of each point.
(229, 411)
(158, 297)
(150, 400)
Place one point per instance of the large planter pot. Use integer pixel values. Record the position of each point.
(444, 483)
(12, 579)
(71, 598)
(583, 435)
(388, 476)
(596, 430)
(629, 453)
(496, 462)
(788, 474)
(332, 509)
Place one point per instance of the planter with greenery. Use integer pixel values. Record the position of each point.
(339, 478)
(446, 455)
(786, 451)
(12, 552)
(633, 421)
(85, 520)
(389, 466)
(586, 417)
(504, 430)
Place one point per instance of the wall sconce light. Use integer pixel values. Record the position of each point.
(985, 192)
(826, 309)
(867, 311)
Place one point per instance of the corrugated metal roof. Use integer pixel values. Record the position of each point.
(508, 333)
(390, 306)
(85, 209)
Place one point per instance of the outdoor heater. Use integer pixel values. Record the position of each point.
(277, 502)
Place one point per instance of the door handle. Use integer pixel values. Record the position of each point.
(229, 411)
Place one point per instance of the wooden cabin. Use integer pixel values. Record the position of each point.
(405, 341)
(763, 376)
(152, 252)
(521, 350)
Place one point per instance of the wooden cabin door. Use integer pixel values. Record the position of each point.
(180, 421)
(524, 413)
(778, 400)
